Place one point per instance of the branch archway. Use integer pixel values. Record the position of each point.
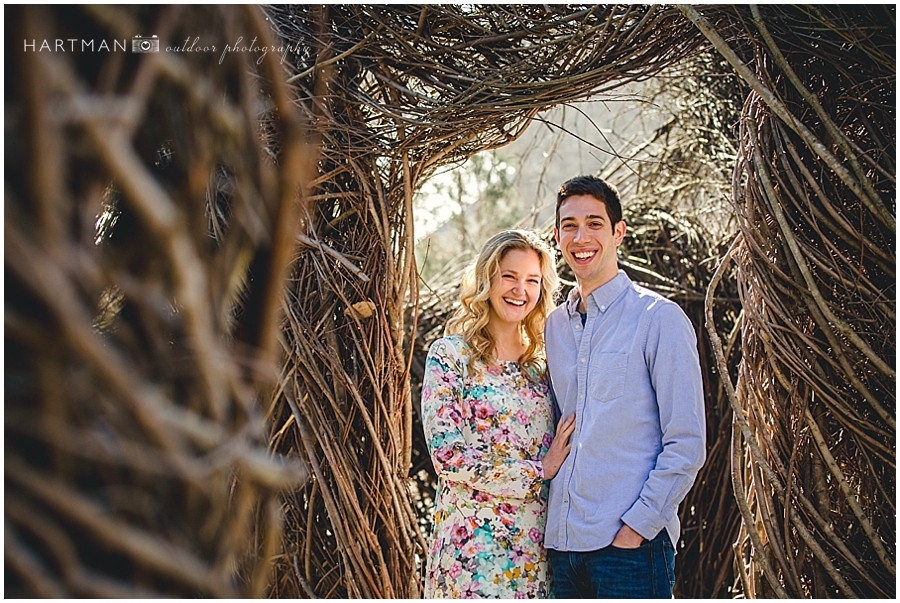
(171, 381)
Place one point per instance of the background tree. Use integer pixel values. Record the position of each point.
(478, 195)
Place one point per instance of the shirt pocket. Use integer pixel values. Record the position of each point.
(606, 379)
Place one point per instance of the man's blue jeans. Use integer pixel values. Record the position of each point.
(647, 572)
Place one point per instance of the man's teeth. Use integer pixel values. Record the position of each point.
(583, 255)
(515, 302)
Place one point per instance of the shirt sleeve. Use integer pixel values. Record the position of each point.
(455, 459)
(674, 366)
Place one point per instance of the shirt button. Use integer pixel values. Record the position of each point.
(603, 308)
(583, 360)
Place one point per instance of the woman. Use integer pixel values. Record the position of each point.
(488, 420)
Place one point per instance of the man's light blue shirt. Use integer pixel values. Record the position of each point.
(631, 376)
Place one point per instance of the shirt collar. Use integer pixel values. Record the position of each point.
(603, 296)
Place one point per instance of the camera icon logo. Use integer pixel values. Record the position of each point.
(144, 44)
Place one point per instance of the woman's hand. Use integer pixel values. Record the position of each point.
(560, 447)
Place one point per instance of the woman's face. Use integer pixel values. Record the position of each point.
(516, 288)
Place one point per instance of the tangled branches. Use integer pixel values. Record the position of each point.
(397, 91)
(135, 450)
(139, 379)
(814, 445)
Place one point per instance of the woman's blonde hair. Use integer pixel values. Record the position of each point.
(471, 319)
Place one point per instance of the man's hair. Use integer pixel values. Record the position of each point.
(595, 187)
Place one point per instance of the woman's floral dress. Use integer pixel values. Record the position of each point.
(487, 430)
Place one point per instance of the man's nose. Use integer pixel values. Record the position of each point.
(580, 234)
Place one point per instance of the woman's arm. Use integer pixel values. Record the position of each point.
(453, 457)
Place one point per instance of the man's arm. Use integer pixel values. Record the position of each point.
(674, 366)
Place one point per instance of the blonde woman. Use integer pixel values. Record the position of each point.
(488, 419)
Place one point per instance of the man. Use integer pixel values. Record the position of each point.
(624, 361)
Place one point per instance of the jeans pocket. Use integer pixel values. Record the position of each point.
(623, 573)
(669, 557)
(643, 545)
(664, 566)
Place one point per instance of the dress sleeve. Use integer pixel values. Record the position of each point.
(454, 458)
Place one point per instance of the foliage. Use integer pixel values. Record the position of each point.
(480, 196)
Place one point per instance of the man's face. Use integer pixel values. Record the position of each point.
(588, 241)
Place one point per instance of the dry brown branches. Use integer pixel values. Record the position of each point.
(139, 363)
(397, 91)
(814, 192)
(136, 462)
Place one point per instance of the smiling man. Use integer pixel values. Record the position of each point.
(624, 361)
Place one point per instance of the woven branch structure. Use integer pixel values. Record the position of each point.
(256, 216)
(396, 92)
(138, 199)
(814, 442)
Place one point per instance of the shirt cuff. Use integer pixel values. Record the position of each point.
(643, 521)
